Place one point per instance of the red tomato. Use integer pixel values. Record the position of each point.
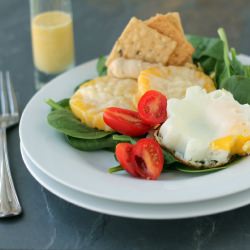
(152, 107)
(123, 152)
(125, 121)
(148, 158)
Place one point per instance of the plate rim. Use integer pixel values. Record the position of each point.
(91, 192)
(135, 215)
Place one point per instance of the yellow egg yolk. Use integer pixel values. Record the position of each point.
(235, 144)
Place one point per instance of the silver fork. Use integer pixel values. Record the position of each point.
(9, 203)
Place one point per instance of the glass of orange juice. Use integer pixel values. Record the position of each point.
(52, 38)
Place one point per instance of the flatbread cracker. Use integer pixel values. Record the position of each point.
(174, 18)
(169, 25)
(138, 41)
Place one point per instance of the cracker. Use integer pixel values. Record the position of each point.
(138, 41)
(182, 54)
(174, 18)
(169, 25)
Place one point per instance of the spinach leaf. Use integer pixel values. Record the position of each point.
(239, 86)
(200, 44)
(115, 169)
(246, 70)
(54, 105)
(64, 103)
(185, 169)
(92, 145)
(221, 73)
(208, 52)
(101, 67)
(65, 122)
(223, 37)
(212, 54)
(168, 157)
(125, 138)
(236, 67)
(208, 64)
(206, 46)
(214, 50)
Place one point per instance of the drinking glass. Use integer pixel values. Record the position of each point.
(52, 38)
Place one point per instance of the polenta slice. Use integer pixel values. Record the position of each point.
(172, 80)
(93, 97)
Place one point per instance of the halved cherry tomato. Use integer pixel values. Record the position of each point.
(152, 107)
(125, 121)
(123, 152)
(148, 158)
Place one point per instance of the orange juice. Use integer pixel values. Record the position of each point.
(52, 41)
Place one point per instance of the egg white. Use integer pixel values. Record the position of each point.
(200, 118)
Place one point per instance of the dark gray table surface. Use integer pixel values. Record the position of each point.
(51, 223)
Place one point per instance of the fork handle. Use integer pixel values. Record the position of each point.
(9, 203)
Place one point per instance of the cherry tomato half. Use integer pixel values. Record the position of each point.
(148, 158)
(152, 107)
(123, 152)
(125, 121)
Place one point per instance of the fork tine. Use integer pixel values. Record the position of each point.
(3, 96)
(11, 94)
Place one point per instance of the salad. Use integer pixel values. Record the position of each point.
(163, 100)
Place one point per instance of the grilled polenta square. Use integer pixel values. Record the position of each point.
(170, 26)
(138, 41)
(172, 81)
(92, 98)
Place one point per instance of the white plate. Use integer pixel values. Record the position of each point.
(133, 210)
(87, 172)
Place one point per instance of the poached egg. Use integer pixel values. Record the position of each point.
(205, 130)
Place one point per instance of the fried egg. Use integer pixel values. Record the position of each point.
(205, 130)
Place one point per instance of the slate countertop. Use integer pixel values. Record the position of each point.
(51, 223)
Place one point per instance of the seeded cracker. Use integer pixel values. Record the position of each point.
(138, 41)
(169, 25)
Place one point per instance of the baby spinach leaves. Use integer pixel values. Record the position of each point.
(185, 169)
(239, 86)
(115, 169)
(208, 52)
(101, 67)
(168, 157)
(125, 138)
(78, 135)
(215, 58)
(93, 144)
(57, 105)
(235, 78)
(246, 70)
(64, 103)
(206, 47)
(236, 67)
(65, 122)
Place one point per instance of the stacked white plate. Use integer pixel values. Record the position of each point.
(82, 177)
